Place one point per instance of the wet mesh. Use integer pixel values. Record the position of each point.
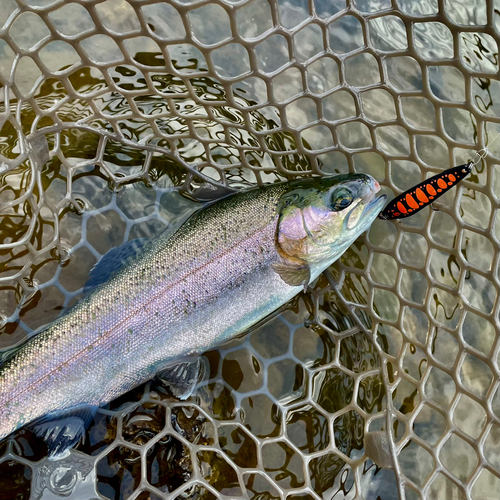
(383, 381)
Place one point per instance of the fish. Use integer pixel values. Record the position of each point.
(229, 266)
(422, 195)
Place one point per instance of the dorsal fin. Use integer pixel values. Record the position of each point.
(112, 261)
(209, 193)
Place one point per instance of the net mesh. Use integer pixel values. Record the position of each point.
(109, 109)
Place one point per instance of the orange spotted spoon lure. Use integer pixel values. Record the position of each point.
(420, 196)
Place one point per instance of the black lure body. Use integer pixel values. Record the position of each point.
(420, 196)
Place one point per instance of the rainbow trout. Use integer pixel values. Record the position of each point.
(226, 268)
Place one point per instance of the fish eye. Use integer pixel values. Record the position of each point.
(341, 199)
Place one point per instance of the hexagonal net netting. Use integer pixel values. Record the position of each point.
(383, 380)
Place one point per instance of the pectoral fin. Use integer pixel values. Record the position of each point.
(181, 377)
(294, 273)
(63, 430)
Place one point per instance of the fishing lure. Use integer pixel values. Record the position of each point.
(420, 196)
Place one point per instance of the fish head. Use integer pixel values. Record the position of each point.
(320, 217)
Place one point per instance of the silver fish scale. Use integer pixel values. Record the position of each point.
(153, 310)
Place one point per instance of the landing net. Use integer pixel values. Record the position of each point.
(110, 109)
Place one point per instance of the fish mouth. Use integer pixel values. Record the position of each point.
(363, 218)
(375, 206)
